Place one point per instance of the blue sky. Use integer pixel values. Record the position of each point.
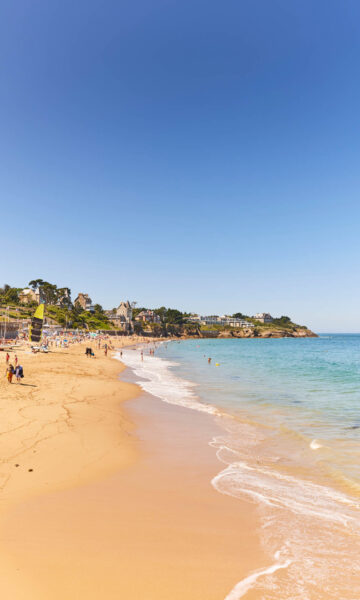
(199, 155)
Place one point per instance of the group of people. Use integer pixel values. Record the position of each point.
(18, 370)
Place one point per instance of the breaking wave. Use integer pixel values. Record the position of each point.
(157, 379)
(316, 526)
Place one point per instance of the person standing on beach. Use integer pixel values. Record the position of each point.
(19, 373)
(106, 349)
(142, 355)
(16, 360)
(209, 360)
(9, 373)
(7, 357)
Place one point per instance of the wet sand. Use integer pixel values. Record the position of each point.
(138, 520)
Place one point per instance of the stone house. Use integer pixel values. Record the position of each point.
(124, 310)
(27, 295)
(121, 317)
(84, 301)
(149, 316)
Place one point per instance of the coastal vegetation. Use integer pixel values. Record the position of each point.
(60, 310)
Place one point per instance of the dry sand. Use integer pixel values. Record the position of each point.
(119, 502)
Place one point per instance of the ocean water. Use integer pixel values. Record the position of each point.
(289, 441)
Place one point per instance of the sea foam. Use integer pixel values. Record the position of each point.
(248, 582)
(157, 379)
(317, 527)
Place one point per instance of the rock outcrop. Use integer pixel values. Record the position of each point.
(259, 332)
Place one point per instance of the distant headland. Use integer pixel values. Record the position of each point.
(17, 306)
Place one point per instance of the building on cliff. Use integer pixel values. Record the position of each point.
(234, 322)
(263, 317)
(84, 301)
(27, 296)
(148, 316)
(224, 320)
(121, 317)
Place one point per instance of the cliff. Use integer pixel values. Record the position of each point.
(300, 332)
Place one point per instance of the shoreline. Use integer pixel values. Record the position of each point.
(299, 507)
(126, 493)
(140, 506)
(154, 530)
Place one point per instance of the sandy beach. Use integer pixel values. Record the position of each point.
(108, 498)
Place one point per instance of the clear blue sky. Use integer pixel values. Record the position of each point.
(199, 155)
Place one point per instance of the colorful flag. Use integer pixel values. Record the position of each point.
(36, 324)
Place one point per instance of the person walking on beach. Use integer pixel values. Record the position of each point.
(19, 373)
(106, 349)
(9, 373)
(7, 357)
(16, 360)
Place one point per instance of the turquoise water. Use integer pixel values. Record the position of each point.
(312, 385)
(288, 412)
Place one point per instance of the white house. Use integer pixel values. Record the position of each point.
(224, 320)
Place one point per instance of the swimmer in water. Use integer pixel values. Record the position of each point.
(209, 360)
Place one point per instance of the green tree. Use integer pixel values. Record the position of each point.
(63, 296)
(11, 295)
(138, 329)
(98, 308)
(35, 283)
(6, 287)
(161, 312)
(174, 316)
(49, 292)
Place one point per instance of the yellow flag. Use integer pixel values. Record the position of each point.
(39, 313)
